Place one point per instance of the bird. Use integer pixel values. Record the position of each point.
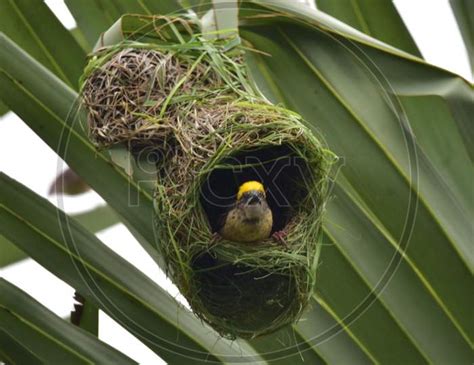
(250, 218)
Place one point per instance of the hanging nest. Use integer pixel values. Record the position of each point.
(194, 105)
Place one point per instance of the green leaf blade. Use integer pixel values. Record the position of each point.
(39, 32)
(358, 309)
(463, 11)
(94, 221)
(94, 18)
(376, 18)
(47, 336)
(12, 352)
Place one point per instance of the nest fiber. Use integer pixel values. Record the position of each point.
(193, 105)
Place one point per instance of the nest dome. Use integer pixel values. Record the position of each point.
(198, 111)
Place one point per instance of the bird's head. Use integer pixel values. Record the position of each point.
(251, 199)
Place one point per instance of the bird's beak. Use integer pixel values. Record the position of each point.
(253, 198)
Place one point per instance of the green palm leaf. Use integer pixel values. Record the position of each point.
(463, 11)
(376, 18)
(95, 17)
(39, 32)
(94, 221)
(33, 334)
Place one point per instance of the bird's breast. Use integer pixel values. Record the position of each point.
(239, 228)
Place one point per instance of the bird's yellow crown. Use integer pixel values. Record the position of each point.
(249, 186)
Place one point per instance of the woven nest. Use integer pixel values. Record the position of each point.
(196, 109)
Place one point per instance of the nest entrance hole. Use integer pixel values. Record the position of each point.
(282, 171)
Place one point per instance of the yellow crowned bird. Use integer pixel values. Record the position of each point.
(250, 218)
